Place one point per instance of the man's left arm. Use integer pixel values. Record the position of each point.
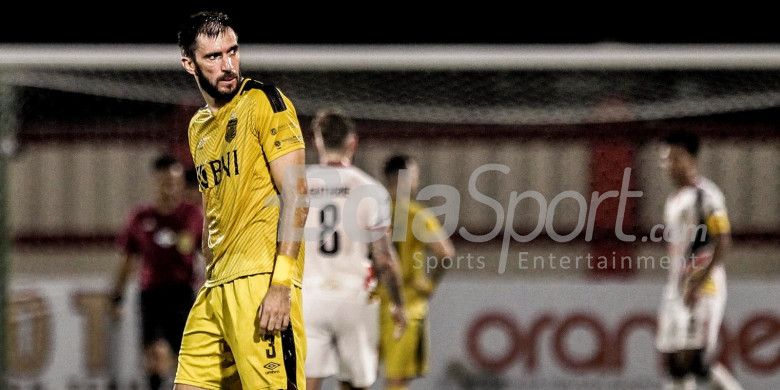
(718, 228)
(288, 175)
(441, 249)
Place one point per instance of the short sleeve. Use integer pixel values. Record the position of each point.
(282, 134)
(376, 212)
(716, 215)
(384, 213)
(426, 227)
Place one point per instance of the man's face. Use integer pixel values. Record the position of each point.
(216, 64)
(410, 177)
(414, 176)
(170, 183)
(677, 162)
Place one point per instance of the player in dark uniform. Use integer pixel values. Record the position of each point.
(164, 236)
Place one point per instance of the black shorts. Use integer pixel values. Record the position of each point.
(164, 312)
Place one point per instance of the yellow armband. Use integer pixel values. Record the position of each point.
(283, 271)
(718, 223)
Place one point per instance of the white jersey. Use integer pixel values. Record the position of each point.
(684, 213)
(681, 327)
(348, 210)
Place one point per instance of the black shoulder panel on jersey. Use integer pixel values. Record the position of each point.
(273, 94)
(701, 237)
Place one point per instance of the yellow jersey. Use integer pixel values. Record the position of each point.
(232, 150)
(420, 223)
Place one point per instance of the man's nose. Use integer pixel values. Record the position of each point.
(227, 63)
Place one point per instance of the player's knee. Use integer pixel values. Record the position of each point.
(313, 383)
(675, 366)
(348, 386)
(159, 357)
(161, 349)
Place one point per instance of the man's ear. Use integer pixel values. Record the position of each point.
(352, 143)
(319, 144)
(188, 64)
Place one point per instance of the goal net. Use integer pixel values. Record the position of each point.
(118, 106)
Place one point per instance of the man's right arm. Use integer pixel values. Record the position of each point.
(130, 250)
(123, 274)
(719, 229)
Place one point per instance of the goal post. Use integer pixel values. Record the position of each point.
(8, 128)
(470, 84)
(599, 56)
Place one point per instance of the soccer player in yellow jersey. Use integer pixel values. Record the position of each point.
(245, 328)
(405, 358)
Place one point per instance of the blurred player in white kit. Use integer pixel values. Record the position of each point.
(348, 236)
(695, 295)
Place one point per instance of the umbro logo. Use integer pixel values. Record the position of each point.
(202, 143)
(271, 366)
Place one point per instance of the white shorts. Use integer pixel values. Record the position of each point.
(682, 328)
(342, 336)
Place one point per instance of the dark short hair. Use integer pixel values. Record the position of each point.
(333, 126)
(164, 163)
(684, 139)
(210, 24)
(397, 163)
